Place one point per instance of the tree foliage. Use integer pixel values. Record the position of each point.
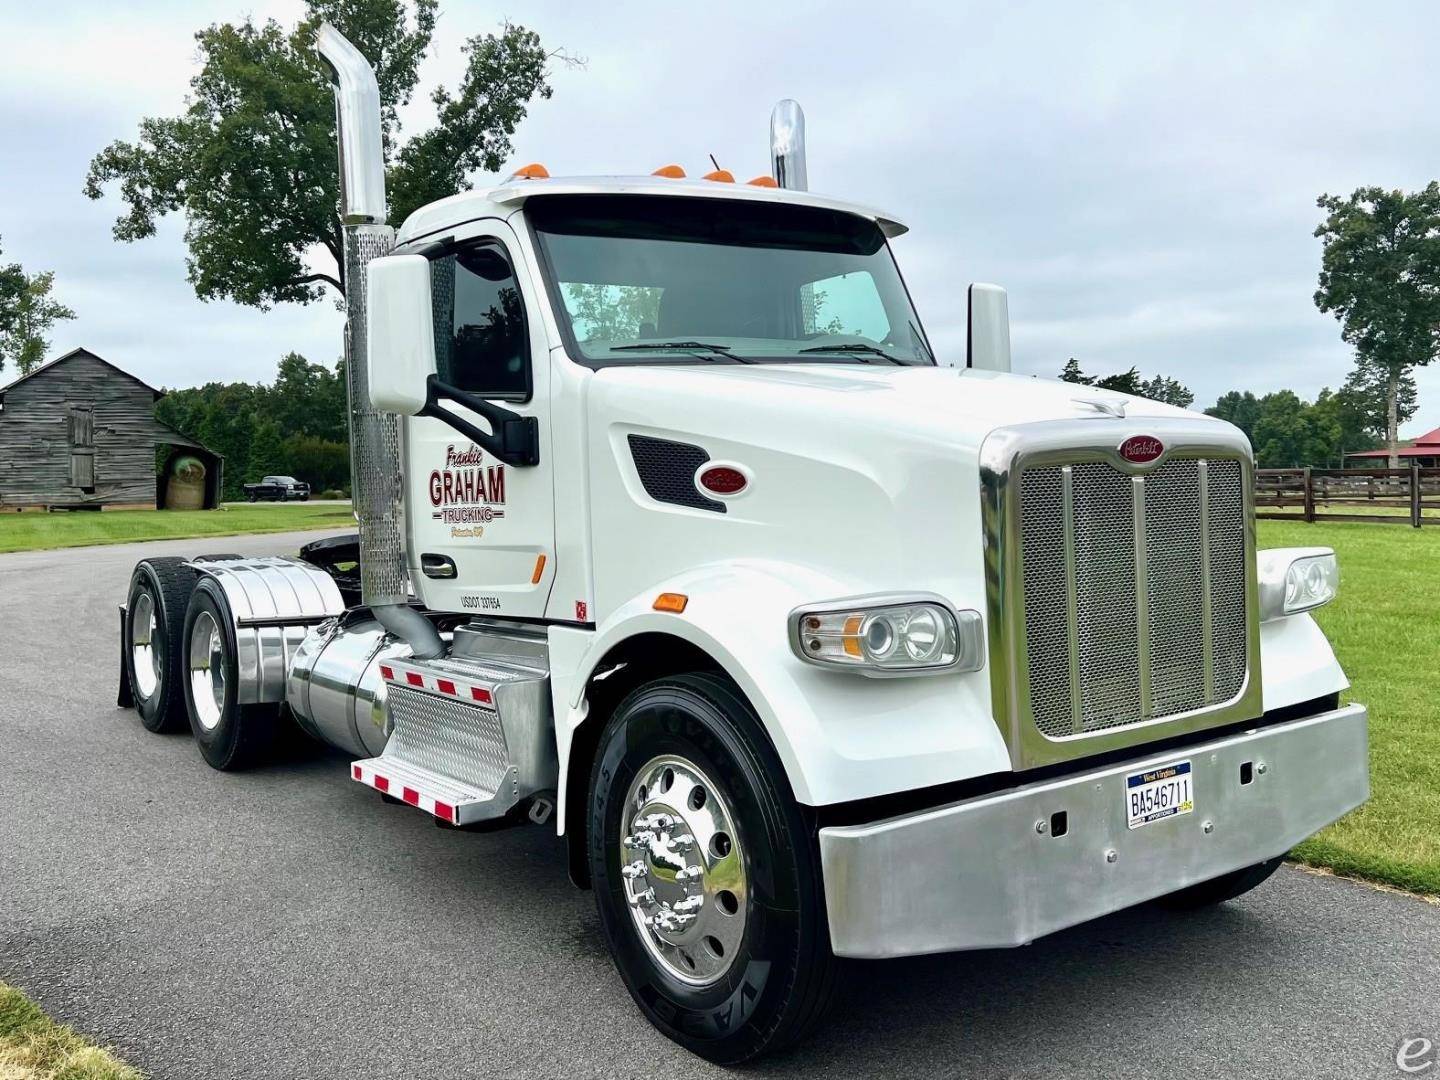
(294, 426)
(27, 312)
(1380, 276)
(1159, 388)
(251, 160)
(1289, 432)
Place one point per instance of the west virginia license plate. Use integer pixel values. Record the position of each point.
(1159, 793)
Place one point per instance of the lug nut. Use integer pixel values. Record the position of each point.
(1111, 855)
(634, 870)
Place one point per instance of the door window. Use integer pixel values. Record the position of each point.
(480, 341)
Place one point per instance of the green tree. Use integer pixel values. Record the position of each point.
(1160, 388)
(1240, 409)
(1380, 276)
(1367, 391)
(251, 161)
(27, 312)
(1170, 391)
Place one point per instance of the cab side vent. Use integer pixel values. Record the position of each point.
(667, 471)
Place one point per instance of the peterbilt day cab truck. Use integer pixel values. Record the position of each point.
(817, 647)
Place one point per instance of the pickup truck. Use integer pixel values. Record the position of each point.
(277, 489)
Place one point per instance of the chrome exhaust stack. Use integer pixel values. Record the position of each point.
(377, 483)
(787, 145)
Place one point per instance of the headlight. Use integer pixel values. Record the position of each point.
(887, 635)
(1293, 580)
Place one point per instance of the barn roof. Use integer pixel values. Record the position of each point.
(51, 365)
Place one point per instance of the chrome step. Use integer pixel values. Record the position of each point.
(475, 735)
(429, 791)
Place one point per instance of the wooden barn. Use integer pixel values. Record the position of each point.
(79, 432)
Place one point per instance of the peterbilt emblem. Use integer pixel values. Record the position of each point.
(1141, 449)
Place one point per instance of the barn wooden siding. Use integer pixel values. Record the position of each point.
(48, 415)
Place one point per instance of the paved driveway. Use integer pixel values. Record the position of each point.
(286, 923)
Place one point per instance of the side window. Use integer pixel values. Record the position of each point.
(480, 340)
(847, 304)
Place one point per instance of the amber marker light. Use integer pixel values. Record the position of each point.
(672, 602)
(539, 570)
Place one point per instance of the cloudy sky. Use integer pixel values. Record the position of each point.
(1142, 181)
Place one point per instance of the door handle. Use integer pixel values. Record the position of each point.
(437, 566)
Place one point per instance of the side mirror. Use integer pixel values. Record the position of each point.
(988, 344)
(400, 334)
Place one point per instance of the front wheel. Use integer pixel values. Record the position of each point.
(706, 872)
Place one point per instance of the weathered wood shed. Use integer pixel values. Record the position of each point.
(79, 431)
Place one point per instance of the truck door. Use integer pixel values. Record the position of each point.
(482, 533)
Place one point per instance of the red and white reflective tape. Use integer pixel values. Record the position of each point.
(406, 794)
(450, 686)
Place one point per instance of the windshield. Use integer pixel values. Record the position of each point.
(661, 279)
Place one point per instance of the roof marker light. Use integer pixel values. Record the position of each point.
(720, 176)
(764, 181)
(533, 171)
(674, 172)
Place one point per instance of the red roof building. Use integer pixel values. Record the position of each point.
(1424, 451)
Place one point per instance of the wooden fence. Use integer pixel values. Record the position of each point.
(1398, 496)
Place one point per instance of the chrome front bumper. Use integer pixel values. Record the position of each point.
(982, 873)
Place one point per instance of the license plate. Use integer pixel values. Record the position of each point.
(1155, 794)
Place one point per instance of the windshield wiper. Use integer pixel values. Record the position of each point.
(869, 350)
(685, 346)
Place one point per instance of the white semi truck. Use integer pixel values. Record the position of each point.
(818, 647)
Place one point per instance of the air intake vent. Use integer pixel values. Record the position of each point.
(667, 471)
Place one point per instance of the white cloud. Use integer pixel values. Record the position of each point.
(1141, 178)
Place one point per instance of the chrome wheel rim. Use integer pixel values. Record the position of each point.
(207, 670)
(682, 867)
(144, 656)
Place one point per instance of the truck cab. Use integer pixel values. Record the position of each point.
(675, 532)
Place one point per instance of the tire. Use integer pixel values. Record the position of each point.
(250, 496)
(230, 735)
(1225, 887)
(155, 612)
(771, 984)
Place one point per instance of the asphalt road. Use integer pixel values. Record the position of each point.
(287, 923)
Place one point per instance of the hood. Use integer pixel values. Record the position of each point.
(949, 405)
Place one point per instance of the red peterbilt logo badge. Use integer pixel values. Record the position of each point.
(1141, 449)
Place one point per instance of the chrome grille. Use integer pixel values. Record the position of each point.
(1134, 589)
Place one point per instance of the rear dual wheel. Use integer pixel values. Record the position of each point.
(229, 735)
(152, 645)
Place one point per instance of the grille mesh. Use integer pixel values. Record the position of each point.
(667, 472)
(1103, 682)
(463, 742)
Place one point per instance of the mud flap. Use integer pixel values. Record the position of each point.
(124, 697)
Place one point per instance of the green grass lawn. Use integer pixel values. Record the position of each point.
(1385, 627)
(34, 1047)
(37, 530)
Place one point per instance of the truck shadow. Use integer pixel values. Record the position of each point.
(1024, 1011)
